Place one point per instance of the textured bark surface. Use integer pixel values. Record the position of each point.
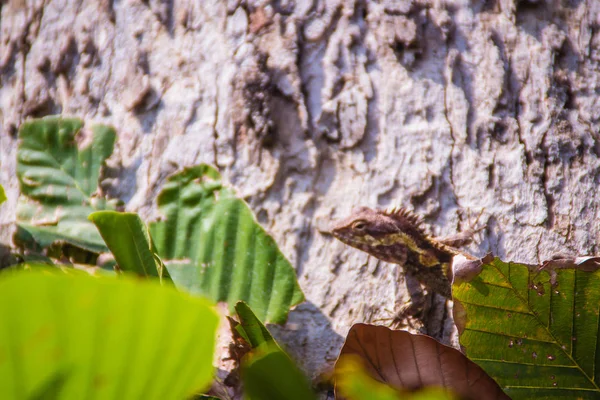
(310, 108)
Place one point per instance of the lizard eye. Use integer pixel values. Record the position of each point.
(359, 225)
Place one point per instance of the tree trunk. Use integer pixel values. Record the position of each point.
(310, 108)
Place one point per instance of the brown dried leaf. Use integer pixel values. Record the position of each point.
(406, 361)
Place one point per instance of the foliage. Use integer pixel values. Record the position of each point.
(212, 245)
(68, 335)
(204, 223)
(115, 338)
(59, 182)
(534, 330)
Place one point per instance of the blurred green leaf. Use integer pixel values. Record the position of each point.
(2, 195)
(354, 383)
(101, 337)
(128, 238)
(59, 182)
(269, 374)
(534, 330)
(213, 245)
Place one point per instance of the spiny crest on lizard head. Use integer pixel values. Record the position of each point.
(366, 228)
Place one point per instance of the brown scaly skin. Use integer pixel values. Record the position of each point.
(396, 236)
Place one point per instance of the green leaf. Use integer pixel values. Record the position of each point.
(213, 245)
(2, 195)
(269, 374)
(129, 240)
(253, 330)
(59, 182)
(101, 337)
(534, 330)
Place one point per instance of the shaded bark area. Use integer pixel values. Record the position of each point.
(310, 108)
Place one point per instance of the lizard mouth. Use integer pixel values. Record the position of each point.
(354, 241)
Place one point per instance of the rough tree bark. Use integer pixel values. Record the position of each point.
(312, 107)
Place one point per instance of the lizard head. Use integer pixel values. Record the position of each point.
(396, 236)
(364, 226)
(376, 231)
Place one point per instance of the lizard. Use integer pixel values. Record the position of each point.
(396, 235)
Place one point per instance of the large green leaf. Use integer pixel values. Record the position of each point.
(59, 182)
(81, 337)
(269, 374)
(213, 245)
(534, 330)
(128, 239)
